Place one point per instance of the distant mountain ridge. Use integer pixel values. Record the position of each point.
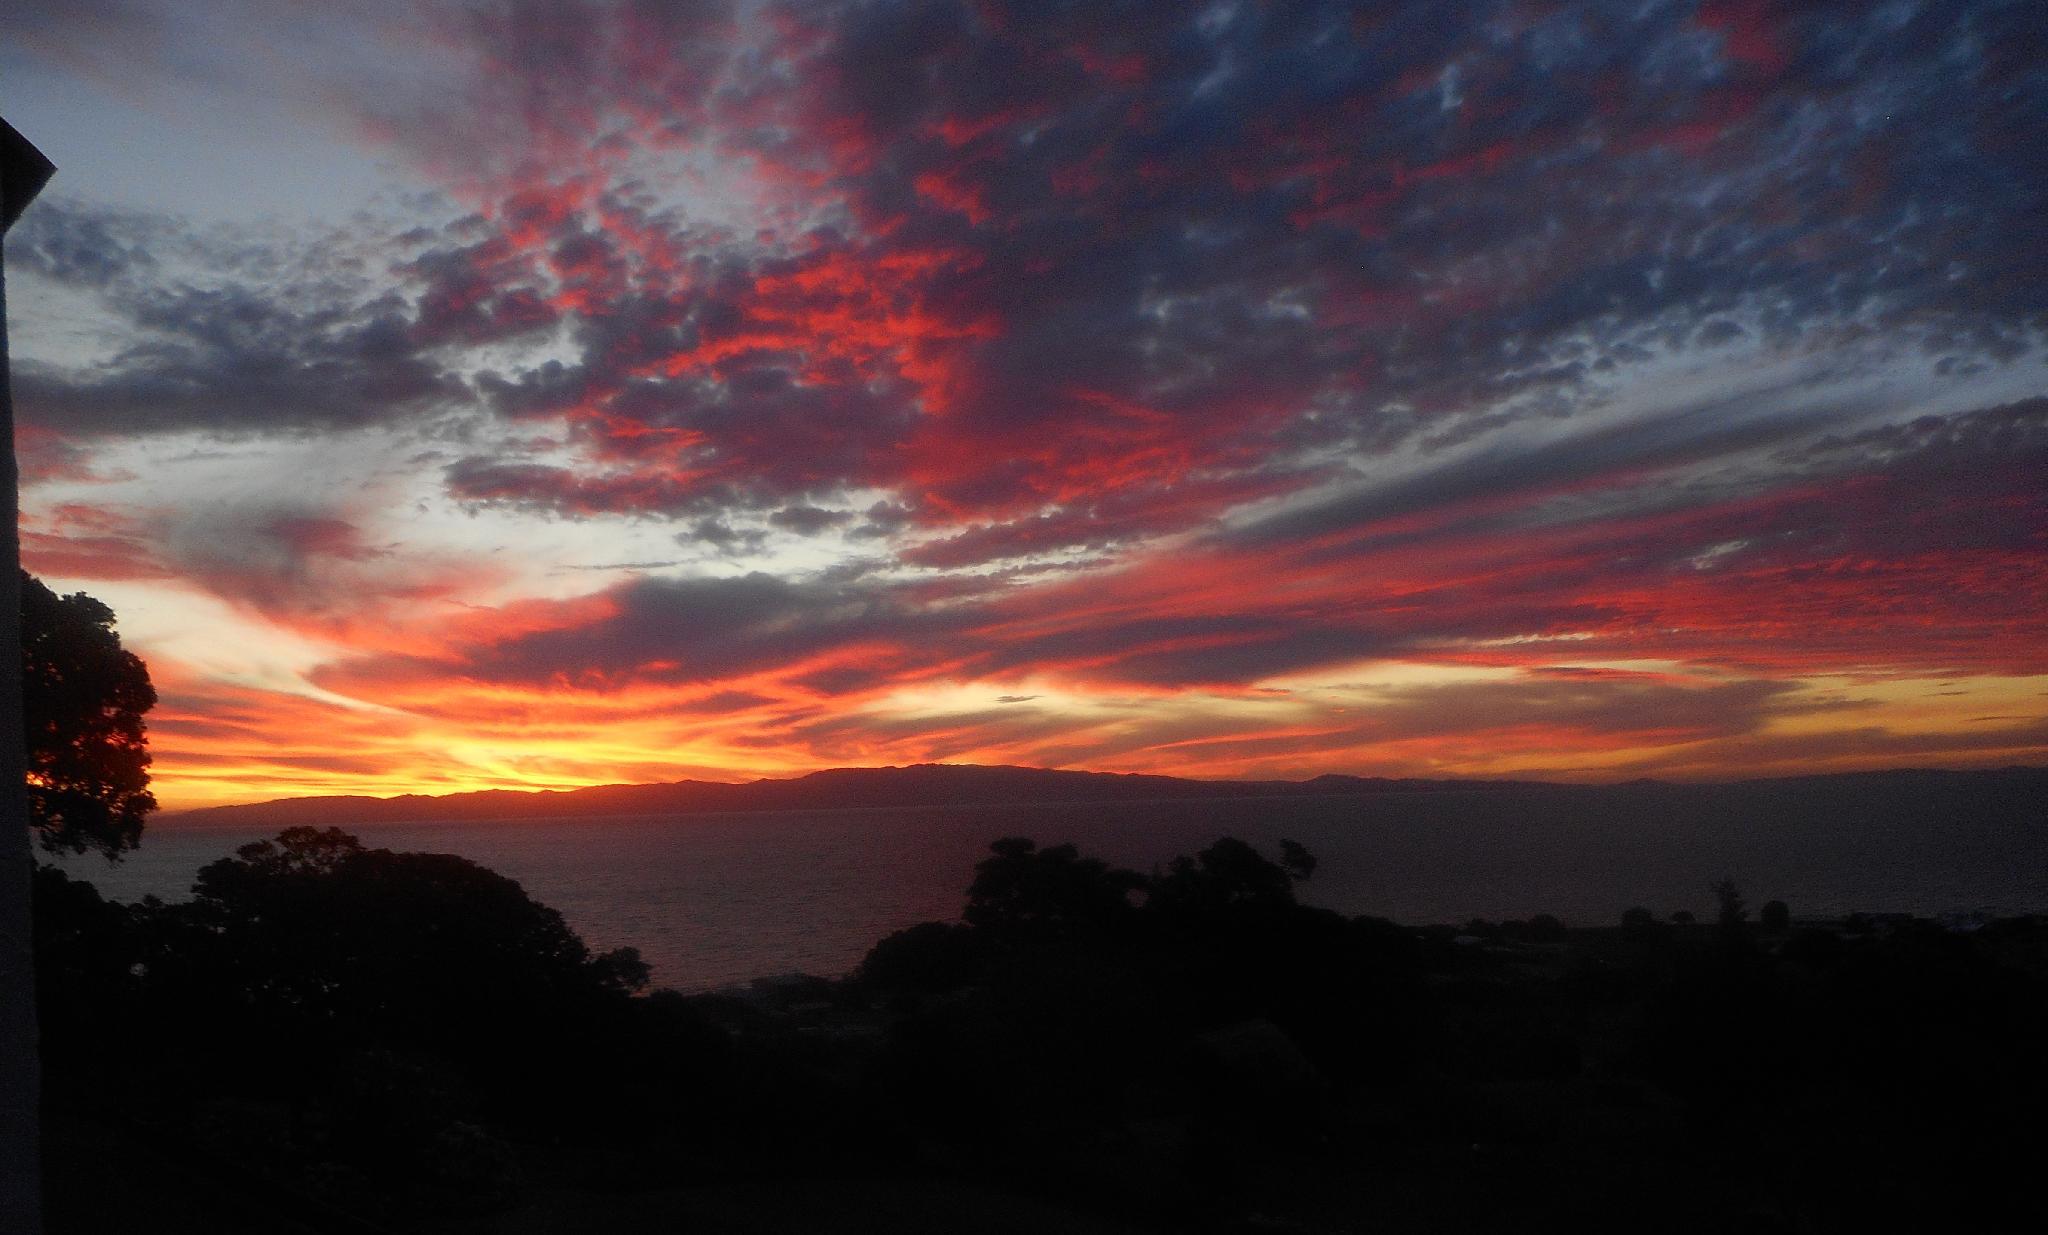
(939, 784)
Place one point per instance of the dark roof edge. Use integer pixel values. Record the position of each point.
(24, 170)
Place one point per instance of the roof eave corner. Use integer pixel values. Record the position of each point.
(24, 170)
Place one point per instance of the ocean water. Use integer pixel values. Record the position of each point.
(716, 899)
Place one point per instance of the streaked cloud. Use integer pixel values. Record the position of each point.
(794, 383)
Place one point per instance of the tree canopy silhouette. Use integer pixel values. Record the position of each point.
(412, 1038)
(416, 943)
(83, 698)
(1055, 889)
(1231, 873)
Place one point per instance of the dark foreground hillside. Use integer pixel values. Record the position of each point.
(334, 1038)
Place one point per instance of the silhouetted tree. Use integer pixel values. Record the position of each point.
(83, 698)
(1227, 873)
(366, 1026)
(1025, 888)
(1683, 917)
(1730, 909)
(1298, 861)
(930, 957)
(316, 924)
(1638, 919)
(1776, 917)
(325, 948)
(86, 949)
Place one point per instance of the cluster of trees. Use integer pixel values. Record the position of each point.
(320, 1009)
(403, 1034)
(1139, 1037)
(1731, 914)
(1198, 1042)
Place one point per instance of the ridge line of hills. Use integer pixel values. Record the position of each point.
(936, 784)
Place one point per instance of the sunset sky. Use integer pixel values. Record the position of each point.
(537, 394)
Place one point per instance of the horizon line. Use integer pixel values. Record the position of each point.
(1552, 778)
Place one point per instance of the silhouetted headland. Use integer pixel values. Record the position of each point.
(930, 784)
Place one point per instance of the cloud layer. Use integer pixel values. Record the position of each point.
(1224, 388)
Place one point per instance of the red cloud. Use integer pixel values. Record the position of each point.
(1184, 352)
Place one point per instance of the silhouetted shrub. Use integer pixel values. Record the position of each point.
(414, 947)
(1298, 861)
(1729, 911)
(1640, 923)
(1025, 890)
(930, 957)
(87, 991)
(1814, 949)
(1227, 875)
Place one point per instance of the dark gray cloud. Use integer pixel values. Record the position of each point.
(809, 520)
(237, 336)
(1124, 253)
(1060, 280)
(690, 630)
(86, 246)
(2016, 432)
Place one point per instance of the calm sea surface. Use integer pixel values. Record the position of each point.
(716, 899)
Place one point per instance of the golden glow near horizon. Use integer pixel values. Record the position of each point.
(1360, 721)
(390, 652)
(727, 417)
